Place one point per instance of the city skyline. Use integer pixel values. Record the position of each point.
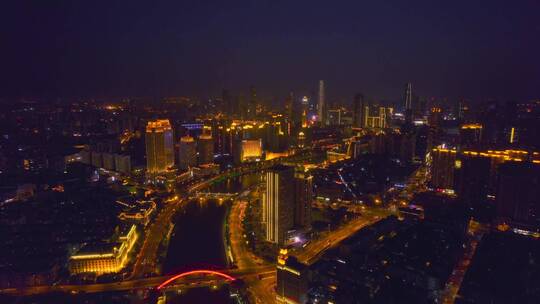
(269, 152)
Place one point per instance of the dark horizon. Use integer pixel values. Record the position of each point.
(455, 50)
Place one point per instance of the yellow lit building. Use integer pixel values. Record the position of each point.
(159, 146)
(292, 280)
(278, 203)
(378, 117)
(470, 136)
(442, 168)
(187, 153)
(205, 149)
(105, 257)
(251, 150)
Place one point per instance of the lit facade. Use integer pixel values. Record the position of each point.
(187, 153)
(205, 149)
(251, 150)
(442, 168)
(321, 103)
(378, 117)
(278, 203)
(292, 280)
(159, 146)
(470, 136)
(104, 258)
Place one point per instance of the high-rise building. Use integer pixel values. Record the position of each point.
(321, 103)
(278, 205)
(289, 106)
(251, 150)
(470, 136)
(205, 149)
(187, 153)
(305, 109)
(377, 117)
(252, 106)
(159, 146)
(472, 176)
(442, 168)
(292, 280)
(227, 105)
(517, 196)
(434, 122)
(358, 113)
(334, 117)
(407, 146)
(303, 195)
(408, 104)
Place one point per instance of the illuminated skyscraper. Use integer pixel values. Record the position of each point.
(205, 149)
(304, 110)
(377, 117)
(227, 105)
(358, 113)
(321, 103)
(252, 106)
(434, 122)
(408, 104)
(251, 150)
(470, 136)
(159, 146)
(187, 153)
(278, 204)
(442, 168)
(292, 279)
(289, 106)
(303, 194)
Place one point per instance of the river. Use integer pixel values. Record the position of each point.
(197, 240)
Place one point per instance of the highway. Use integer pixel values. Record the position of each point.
(261, 287)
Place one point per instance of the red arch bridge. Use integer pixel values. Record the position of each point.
(186, 279)
(195, 273)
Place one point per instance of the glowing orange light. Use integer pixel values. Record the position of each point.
(184, 274)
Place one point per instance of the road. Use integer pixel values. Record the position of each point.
(475, 233)
(243, 257)
(146, 261)
(152, 282)
(260, 287)
(316, 248)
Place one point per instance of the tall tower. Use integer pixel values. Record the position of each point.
(359, 105)
(159, 146)
(408, 103)
(278, 204)
(252, 106)
(289, 106)
(227, 105)
(321, 105)
(187, 153)
(304, 110)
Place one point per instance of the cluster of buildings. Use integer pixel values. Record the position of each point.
(407, 259)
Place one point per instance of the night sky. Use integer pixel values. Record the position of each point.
(472, 49)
